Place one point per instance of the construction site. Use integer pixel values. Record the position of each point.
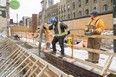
(69, 38)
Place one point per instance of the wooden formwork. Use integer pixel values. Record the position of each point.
(19, 61)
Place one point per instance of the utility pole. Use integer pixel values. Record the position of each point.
(17, 19)
(114, 22)
(7, 16)
(41, 26)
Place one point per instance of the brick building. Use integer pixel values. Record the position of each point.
(70, 9)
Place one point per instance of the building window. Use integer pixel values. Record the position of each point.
(105, 7)
(68, 16)
(64, 8)
(87, 12)
(64, 16)
(68, 7)
(95, 1)
(59, 10)
(94, 8)
(86, 1)
(74, 15)
(80, 13)
(73, 5)
(61, 17)
(79, 3)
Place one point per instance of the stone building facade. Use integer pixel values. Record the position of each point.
(70, 9)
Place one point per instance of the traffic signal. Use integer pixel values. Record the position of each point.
(3, 13)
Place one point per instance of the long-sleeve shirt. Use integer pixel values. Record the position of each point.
(55, 27)
(99, 27)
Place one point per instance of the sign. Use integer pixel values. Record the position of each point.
(14, 4)
(114, 20)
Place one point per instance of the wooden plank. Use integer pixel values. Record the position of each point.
(18, 65)
(9, 66)
(94, 50)
(60, 76)
(22, 69)
(15, 62)
(47, 73)
(30, 68)
(107, 65)
(94, 65)
(33, 71)
(3, 43)
(97, 36)
(8, 60)
(3, 49)
(11, 61)
(51, 67)
(42, 71)
(90, 64)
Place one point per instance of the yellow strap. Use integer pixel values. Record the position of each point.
(59, 31)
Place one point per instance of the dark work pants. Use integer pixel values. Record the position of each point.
(59, 39)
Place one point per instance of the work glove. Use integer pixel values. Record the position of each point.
(90, 32)
(68, 32)
(44, 28)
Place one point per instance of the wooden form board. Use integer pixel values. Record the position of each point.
(21, 58)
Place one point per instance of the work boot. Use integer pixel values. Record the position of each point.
(88, 60)
(53, 52)
(95, 62)
(61, 56)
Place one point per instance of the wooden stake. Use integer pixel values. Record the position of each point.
(107, 64)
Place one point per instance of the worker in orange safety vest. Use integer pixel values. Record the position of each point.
(95, 27)
(47, 35)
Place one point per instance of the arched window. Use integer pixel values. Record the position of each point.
(68, 6)
(94, 8)
(87, 12)
(80, 13)
(105, 7)
(68, 16)
(74, 15)
(79, 3)
(64, 8)
(95, 1)
(86, 1)
(73, 5)
(62, 18)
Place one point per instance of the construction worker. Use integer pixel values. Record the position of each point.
(95, 27)
(48, 35)
(60, 30)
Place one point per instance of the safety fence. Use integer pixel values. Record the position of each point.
(105, 69)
